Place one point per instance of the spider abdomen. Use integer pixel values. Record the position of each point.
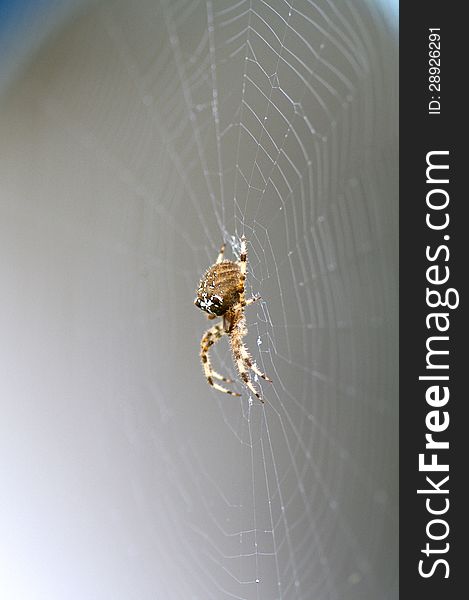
(220, 288)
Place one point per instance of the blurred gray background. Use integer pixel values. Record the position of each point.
(134, 138)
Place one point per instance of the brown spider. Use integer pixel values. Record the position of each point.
(221, 294)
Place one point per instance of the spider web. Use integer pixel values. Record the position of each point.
(197, 122)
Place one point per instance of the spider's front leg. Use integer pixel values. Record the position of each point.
(210, 337)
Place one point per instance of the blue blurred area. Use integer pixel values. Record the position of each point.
(24, 24)
(16, 13)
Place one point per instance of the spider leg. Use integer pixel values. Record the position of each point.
(210, 337)
(250, 301)
(243, 360)
(243, 265)
(220, 256)
(248, 362)
(242, 350)
(243, 257)
(247, 359)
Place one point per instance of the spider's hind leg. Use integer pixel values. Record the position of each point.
(246, 357)
(210, 337)
(248, 362)
(244, 362)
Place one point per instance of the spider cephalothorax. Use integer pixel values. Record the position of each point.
(221, 294)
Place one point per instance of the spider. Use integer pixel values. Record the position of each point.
(221, 294)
